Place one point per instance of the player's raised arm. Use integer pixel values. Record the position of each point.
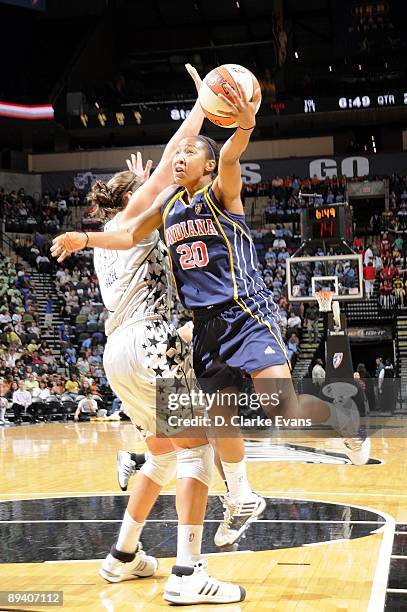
(162, 177)
(228, 185)
(121, 240)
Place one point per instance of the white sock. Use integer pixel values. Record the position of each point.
(129, 535)
(236, 477)
(189, 542)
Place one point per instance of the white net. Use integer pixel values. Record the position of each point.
(324, 299)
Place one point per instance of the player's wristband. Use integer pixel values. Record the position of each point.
(87, 238)
(246, 129)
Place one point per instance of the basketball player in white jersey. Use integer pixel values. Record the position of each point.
(247, 504)
(142, 345)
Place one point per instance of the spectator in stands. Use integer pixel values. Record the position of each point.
(377, 262)
(43, 264)
(375, 223)
(31, 383)
(72, 386)
(65, 332)
(379, 374)
(3, 402)
(292, 348)
(369, 275)
(42, 391)
(294, 322)
(279, 243)
(318, 376)
(86, 407)
(311, 320)
(70, 356)
(49, 307)
(368, 255)
(21, 401)
(58, 386)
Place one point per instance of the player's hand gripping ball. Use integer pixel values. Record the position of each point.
(220, 82)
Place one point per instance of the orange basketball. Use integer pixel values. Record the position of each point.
(214, 84)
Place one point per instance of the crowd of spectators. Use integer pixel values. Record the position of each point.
(29, 370)
(287, 196)
(25, 213)
(27, 363)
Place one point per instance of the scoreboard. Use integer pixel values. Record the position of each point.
(327, 223)
(359, 101)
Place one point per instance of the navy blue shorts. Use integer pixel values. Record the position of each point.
(234, 339)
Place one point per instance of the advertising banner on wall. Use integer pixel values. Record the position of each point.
(263, 170)
(369, 334)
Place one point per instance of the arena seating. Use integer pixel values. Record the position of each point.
(272, 210)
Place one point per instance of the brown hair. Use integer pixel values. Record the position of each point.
(106, 199)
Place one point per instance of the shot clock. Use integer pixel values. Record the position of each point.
(325, 223)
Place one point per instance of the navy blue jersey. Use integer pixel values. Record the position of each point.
(212, 254)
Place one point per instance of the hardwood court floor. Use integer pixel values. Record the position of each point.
(324, 543)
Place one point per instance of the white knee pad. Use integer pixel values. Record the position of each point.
(196, 463)
(160, 468)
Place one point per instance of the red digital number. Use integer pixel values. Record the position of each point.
(194, 256)
(327, 229)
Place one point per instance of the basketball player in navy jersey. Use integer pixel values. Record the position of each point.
(214, 266)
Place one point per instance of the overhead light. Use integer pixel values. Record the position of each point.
(359, 66)
(330, 68)
(102, 119)
(237, 4)
(137, 117)
(120, 118)
(97, 104)
(84, 120)
(296, 55)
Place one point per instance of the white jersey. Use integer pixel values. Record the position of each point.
(133, 283)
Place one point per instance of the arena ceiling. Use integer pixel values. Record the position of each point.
(125, 51)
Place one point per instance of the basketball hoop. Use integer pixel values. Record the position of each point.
(324, 299)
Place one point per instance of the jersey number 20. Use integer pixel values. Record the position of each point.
(194, 256)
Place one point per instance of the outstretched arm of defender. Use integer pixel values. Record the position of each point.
(162, 176)
(121, 240)
(228, 185)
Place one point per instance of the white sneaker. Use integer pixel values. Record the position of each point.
(141, 566)
(358, 449)
(188, 585)
(356, 442)
(237, 518)
(125, 468)
(346, 416)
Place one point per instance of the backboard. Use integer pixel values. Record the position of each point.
(342, 274)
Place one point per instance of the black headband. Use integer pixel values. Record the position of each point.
(209, 146)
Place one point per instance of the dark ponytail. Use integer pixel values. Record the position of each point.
(106, 199)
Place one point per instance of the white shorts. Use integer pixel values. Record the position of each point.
(136, 354)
